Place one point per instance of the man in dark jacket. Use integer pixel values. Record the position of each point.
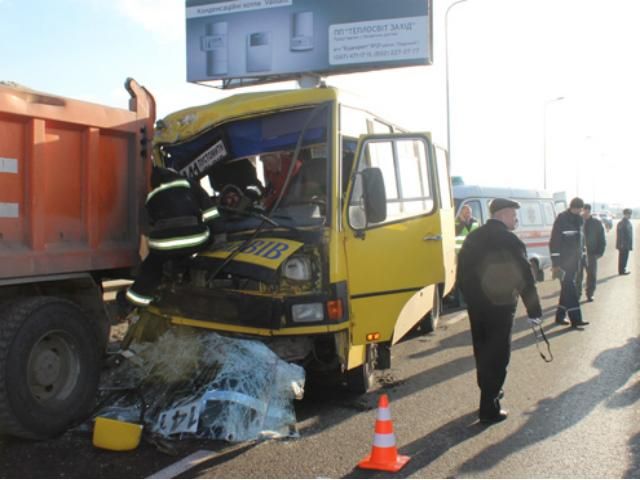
(492, 271)
(595, 244)
(566, 246)
(624, 241)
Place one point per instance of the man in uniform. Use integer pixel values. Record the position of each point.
(566, 246)
(624, 241)
(595, 243)
(493, 271)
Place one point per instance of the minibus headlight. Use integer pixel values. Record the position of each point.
(307, 312)
(297, 268)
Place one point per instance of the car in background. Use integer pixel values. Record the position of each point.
(606, 219)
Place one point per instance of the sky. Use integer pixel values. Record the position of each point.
(510, 62)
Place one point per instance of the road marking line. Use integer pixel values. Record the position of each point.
(185, 464)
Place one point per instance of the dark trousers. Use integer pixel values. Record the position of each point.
(623, 256)
(590, 264)
(491, 335)
(149, 275)
(569, 304)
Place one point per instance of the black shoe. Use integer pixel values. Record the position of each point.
(589, 298)
(579, 324)
(562, 322)
(625, 273)
(499, 416)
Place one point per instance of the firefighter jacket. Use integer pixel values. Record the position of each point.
(177, 210)
(493, 270)
(567, 243)
(594, 237)
(624, 235)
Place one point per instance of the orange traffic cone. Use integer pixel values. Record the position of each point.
(384, 454)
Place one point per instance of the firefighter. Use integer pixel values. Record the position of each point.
(179, 211)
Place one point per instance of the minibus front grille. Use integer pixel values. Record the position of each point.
(218, 306)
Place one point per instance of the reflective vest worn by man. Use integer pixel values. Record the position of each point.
(178, 214)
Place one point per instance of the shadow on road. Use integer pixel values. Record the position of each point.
(321, 403)
(428, 448)
(554, 415)
(634, 469)
(463, 339)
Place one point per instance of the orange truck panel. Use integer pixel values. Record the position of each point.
(73, 176)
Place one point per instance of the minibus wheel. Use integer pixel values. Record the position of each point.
(361, 379)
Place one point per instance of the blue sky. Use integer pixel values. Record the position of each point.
(507, 58)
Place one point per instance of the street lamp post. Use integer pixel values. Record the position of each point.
(446, 63)
(544, 139)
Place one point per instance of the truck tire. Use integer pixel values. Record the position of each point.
(49, 367)
(361, 379)
(430, 321)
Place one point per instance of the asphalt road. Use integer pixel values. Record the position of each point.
(576, 417)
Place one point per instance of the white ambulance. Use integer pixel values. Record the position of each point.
(535, 217)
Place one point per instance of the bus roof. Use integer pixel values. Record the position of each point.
(185, 123)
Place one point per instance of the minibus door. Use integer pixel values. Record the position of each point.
(393, 235)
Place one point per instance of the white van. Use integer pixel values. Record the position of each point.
(535, 217)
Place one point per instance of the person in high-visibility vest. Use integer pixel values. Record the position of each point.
(179, 211)
(465, 223)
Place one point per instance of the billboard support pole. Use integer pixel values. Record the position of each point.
(446, 63)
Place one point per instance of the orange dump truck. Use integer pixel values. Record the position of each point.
(73, 176)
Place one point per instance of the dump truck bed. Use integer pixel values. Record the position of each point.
(72, 178)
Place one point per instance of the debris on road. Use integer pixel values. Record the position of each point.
(203, 385)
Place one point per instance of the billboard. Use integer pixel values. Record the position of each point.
(240, 42)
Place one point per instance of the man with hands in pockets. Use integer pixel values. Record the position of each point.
(493, 270)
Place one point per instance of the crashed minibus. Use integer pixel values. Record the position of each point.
(345, 245)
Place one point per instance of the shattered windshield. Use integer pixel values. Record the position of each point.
(273, 166)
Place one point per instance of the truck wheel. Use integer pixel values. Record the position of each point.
(430, 321)
(361, 379)
(49, 367)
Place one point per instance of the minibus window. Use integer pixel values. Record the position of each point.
(443, 178)
(381, 155)
(408, 185)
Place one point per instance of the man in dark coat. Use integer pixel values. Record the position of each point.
(492, 271)
(624, 241)
(566, 246)
(595, 243)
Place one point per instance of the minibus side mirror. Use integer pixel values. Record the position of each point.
(374, 195)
